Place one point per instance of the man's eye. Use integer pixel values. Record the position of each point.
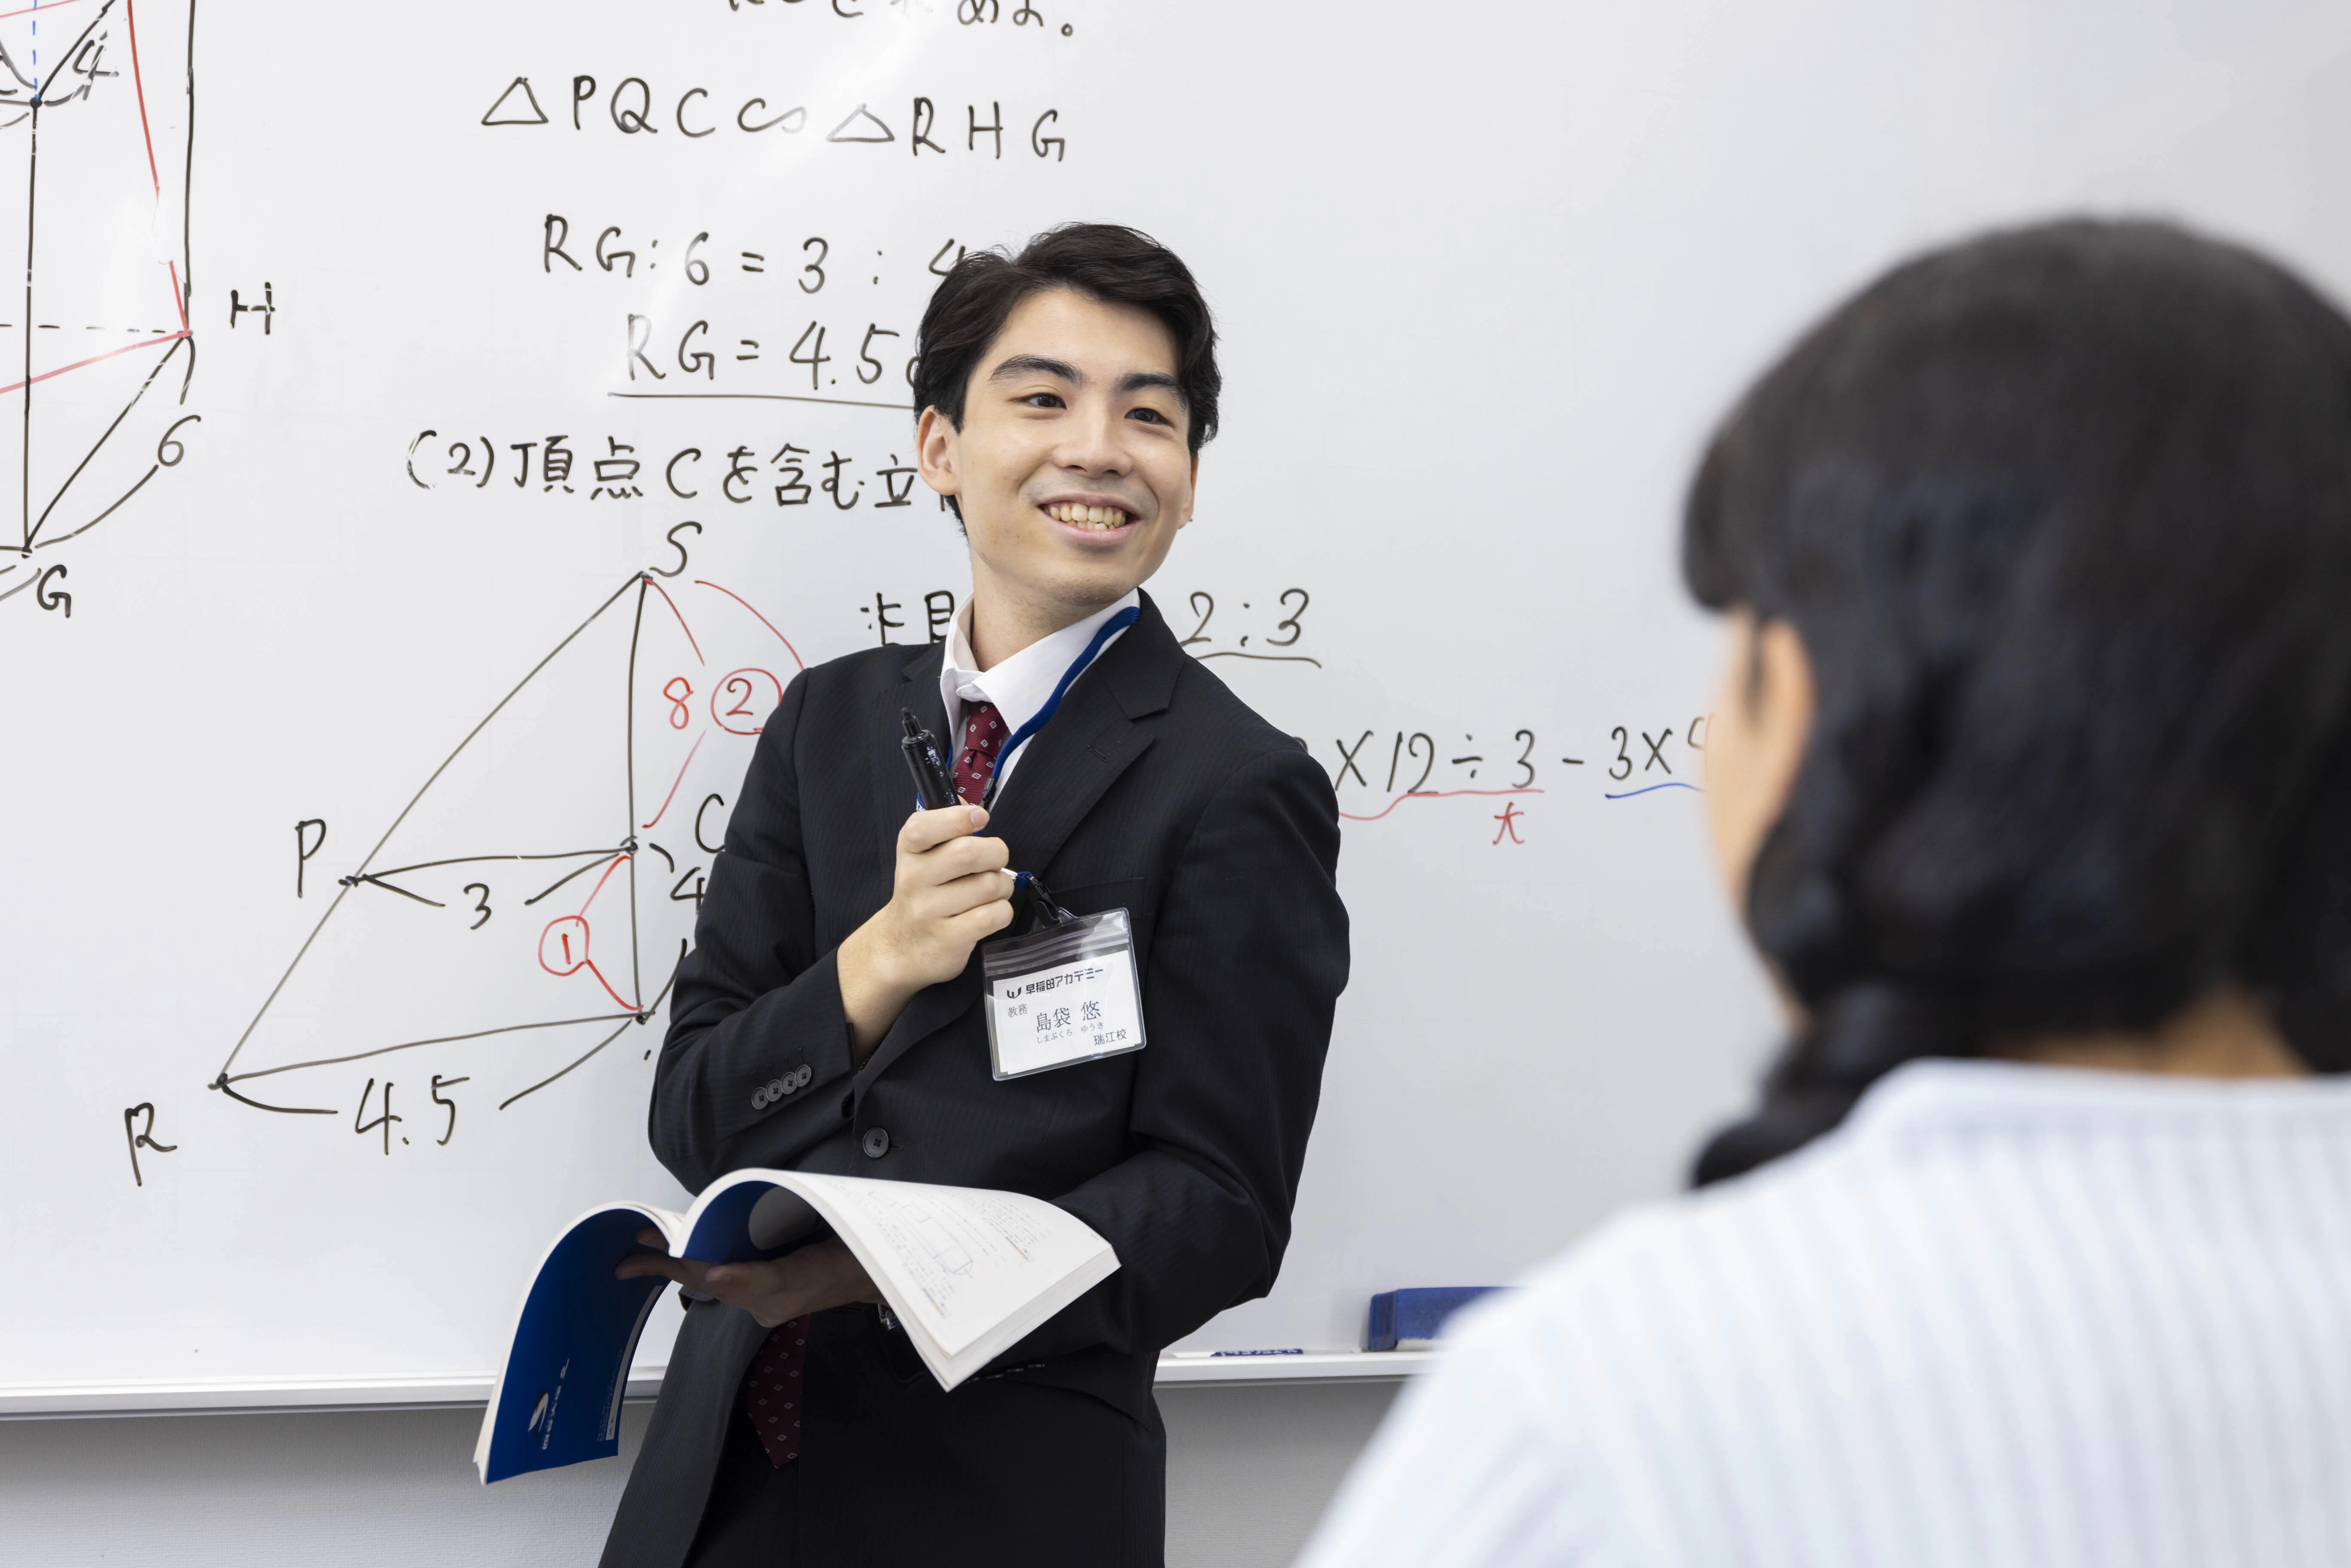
(1043, 399)
(1148, 415)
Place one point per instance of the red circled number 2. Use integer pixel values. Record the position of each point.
(740, 704)
(678, 689)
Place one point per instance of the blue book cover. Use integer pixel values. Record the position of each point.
(966, 1272)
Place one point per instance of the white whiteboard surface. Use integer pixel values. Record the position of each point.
(1485, 276)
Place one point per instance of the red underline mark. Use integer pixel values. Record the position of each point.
(132, 19)
(770, 625)
(674, 610)
(676, 781)
(1430, 794)
(609, 870)
(110, 353)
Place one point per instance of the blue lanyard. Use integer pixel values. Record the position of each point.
(1104, 633)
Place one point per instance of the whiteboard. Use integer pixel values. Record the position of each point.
(337, 720)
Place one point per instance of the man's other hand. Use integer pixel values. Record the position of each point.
(816, 1277)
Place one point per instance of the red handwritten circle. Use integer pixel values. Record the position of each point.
(565, 941)
(740, 704)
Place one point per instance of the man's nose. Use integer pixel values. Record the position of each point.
(1091, 444)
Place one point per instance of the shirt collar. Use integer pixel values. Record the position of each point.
(1017, 685)
(1943, 1095)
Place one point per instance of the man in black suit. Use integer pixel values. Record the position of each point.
(830, 1017)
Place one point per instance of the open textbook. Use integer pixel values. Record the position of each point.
(968, 1274)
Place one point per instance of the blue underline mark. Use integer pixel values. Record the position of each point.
(1653, 789)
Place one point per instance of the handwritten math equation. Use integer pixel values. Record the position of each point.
(768, 473)
(1376, 771)
(633, 106)
(654, 352)
(806, 264)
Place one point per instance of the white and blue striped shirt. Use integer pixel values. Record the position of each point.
(2004, 1316)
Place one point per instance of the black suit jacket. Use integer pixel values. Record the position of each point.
(1155, 790)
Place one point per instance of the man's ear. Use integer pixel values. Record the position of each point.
(938, 451)
(1191, 492)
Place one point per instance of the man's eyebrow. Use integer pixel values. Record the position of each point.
(1020, 365)
(1136, 381)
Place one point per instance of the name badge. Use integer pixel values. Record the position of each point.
(1063, 993)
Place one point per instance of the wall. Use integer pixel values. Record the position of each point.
(1249, 1470)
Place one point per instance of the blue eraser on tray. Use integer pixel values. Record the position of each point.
(1415, 1320)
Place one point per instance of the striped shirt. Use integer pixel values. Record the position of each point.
(2005, 1315)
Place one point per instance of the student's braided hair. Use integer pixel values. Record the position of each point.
(2063, 518)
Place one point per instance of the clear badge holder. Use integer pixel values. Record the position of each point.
(1065, 993)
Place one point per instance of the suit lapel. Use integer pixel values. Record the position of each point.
(1062, 774)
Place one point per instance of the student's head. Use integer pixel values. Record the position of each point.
(2037, 718)
(1064, 396)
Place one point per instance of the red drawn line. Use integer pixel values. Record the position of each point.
(131, 18)
(770, 625)
(28, 10)
(611, 866)
(609, 991)
(675, 782)
(110, 353)
(674, 610)
(179, 295)
(1430, 794)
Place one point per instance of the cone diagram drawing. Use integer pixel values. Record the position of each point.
(97, 101)
(531, 903)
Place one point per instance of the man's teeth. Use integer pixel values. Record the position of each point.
(1088, 517)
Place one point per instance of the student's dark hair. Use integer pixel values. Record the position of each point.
(2063, 520)
(1108, 262)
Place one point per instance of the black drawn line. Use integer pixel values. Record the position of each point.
(609, 1038)
(628, 767)
(606, 851)
(183, 277)
(1268, 658)
(32, 187)
(545, 1081)
(608, 855)
(516, 116)
(535, 669)
(865, 114)
(274, 990)
(110, 511)
(412, 1044)
(43, 521)
(387, 887)
(769, 397)
(188, 201)
(20, 587)
(42, 98)
(221, 1084)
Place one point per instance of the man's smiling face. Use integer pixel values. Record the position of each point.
(1072, 467)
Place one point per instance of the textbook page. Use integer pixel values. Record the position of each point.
(958, 1260)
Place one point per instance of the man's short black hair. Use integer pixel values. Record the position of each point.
(1109, 262)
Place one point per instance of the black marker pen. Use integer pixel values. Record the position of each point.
(933, 787)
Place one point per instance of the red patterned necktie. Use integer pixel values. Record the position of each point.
(771, 1392)
(983, 737)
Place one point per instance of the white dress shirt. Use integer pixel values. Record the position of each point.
(2006, 1315)
(1020, 685)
